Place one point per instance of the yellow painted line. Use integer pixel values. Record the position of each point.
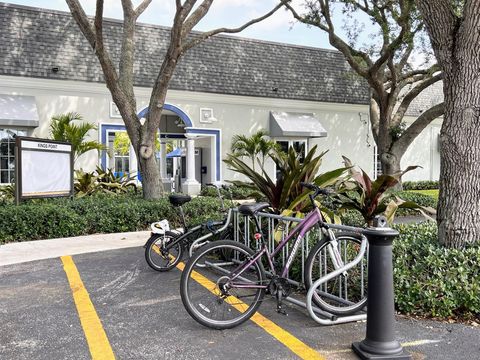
(405, 344)
(156, 249)
(301, 349)
(420, 342)
(97, 340)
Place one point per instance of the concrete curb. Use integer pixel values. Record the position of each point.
(14, 253)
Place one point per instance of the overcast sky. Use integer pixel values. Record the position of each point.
(279, 28)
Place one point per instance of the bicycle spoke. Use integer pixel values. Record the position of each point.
(209, 294)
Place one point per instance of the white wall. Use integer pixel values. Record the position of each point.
(423, 151)
(347, 134)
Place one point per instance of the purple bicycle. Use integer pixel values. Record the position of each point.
(224, 283)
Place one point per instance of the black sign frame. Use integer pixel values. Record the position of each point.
(18, 167)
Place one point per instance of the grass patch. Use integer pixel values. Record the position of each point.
(433, 193)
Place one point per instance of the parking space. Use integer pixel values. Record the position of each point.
(143, 317)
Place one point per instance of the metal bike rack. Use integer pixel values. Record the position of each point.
(326, 317)
(323, 279)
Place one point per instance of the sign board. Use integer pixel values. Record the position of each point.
(43, 168)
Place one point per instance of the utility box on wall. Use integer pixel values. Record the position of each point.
(43, 168)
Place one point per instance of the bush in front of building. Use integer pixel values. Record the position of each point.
(421, 185)
(418, 198)
(100, 213)
(431, 280)
(235, 191)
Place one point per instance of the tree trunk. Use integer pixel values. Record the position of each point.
(390, 163)
(456, 40)
(151, 182)
(459, 199)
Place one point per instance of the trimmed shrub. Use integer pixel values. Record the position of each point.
(431, 280)
(420, 185)
(419, 198)
(238, 193)
(54, 218)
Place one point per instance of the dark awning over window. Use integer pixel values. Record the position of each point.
(18, 110)
(295, 125)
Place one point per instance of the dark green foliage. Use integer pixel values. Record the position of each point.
(70, 127)
(285, 194)
(431, 280)
(7, 193)
(352, 218)
(88, 183)
(237, 193)
(100, 213)
(418, 198)
(370, 197)
(421, 185)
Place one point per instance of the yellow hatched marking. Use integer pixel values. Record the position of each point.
(297, 346)
(97, 340)
(156, 249)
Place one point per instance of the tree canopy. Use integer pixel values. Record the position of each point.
(394, 33)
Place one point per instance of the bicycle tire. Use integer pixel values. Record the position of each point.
(200, 285)
(156, 255)
(349, 291)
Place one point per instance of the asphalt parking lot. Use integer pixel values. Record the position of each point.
(138, 314)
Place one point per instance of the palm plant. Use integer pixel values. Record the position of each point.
(371, 197)
(285, 194)
(104, 181)
(253, 146)
(62, 128)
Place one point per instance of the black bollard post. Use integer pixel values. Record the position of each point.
(380, 342)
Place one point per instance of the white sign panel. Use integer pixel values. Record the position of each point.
(42, 145)
(45, 168)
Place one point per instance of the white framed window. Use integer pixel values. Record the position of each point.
(299, 145)
(7, 154)
(377, 165)
(118, 161)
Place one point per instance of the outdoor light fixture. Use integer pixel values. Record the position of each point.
(206, 115)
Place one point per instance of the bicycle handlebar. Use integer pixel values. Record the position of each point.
(317, 189)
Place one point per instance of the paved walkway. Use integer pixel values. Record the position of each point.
(14, 253)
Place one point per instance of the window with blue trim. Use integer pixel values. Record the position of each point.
(7, 154)
(119, 151)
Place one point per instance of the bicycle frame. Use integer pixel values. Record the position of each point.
(193, 230)
(313, 218)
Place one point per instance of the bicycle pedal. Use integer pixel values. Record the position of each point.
(282, 311)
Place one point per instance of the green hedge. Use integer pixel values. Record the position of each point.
(418, 198)
(431, 280)
(237, 193)
(420, 185)
(54, 218)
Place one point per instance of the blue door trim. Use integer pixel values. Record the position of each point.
(181, 114)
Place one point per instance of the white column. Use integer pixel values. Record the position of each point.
(163, 159)
(132, 159)
(191, 186)
(190, 160)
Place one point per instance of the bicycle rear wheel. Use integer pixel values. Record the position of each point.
(208, 292)
(160, 259)
(346, 293)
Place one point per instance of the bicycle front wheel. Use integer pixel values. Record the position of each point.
(346, 293)
(212, 295)
(156, 254)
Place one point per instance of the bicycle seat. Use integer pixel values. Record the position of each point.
(178, 199)
(252, 209)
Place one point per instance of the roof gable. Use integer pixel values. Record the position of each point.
(36, 40)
